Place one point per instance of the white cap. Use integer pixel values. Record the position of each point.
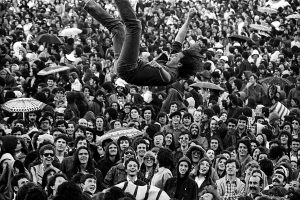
(255, 52)
(225, 58)
(220, 51)
(236, 44)
(71, 57)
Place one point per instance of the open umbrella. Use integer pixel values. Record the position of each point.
(293, 16)
(260, 27)
(266, 10)
(49, 39)
(23, 105)
(118, 132)
(274, 80)
(239, 38)
(51, 70)
(68, 32)
(207, 85)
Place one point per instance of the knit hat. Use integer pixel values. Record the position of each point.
(273, 117)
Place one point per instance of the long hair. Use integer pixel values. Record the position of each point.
(106, 155)
(90, 168)
(191, 62)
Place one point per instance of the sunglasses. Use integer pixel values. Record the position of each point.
(48, 154)
(129, 152)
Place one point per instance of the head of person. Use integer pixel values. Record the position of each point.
(165, 158)
(81, 141)
(47, 154)
(18, 181)
(79, 131)
(242, 122)
(149, 159)
(124, 142)
(186, 61)
(204, 167)
(279, 178)
(47, 175)
(88, 183)
(132, 167)
(158, 139)
(141, 147)
(244, 147)
(55, 181)
(82, 157)
(184, 139)
(111, 150)
(60, 142)
(232, 167)
(194, 130)
(128, 153)
(195, 153)
(175, 117)
(184, 167)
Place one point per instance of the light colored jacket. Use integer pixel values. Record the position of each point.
(221, 185)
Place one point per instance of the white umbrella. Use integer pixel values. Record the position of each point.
(294, 16)
(260, 27)
(266, 10)
(23, 105)
(68, 32)
(51, 70)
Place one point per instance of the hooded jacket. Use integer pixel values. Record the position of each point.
(182, 188)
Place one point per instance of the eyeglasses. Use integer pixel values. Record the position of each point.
(48, 154)
(128, 152)
(148, 158)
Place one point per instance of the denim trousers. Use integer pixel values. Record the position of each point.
(126, 40)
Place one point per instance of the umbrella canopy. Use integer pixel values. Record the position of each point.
(293, 16)
(51, 70)
(68, 32)
(266, 10)
(49, 39)
(207, 85)
(239, 38)
(118, 132)
(282, 82)
(260, 27)
(23, 105)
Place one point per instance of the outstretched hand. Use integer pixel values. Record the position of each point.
(192, 13)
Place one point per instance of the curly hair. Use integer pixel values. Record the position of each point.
(191, 62)
(90, 168)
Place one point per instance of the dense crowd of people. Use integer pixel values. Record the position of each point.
(229, 130)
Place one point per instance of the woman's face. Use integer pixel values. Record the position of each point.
(256, 152)
(223, 117)
(99, 122)
(213, 125)
(117, 124)
(204, 167)
(83, 156)
(221, 164)
(210, 154)
(134, 114)
(78, 133)
(287, 128)
(162, 120)
(214, 144)
(284, 139)
(149, 161)
(147, 114)
(89, 136)
(168, 139)
(183, 168)
(173, 108)
(124, 144)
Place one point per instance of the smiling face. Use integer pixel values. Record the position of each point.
(83, 156)
(183, 168)
(168, 139)
(132, 168)
(204, 167)
(159, 140)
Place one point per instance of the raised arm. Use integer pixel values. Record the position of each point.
(183, 30)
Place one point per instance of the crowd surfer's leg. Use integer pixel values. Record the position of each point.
(130, 51)
(112, 24)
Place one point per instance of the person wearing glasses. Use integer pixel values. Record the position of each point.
(46, 153)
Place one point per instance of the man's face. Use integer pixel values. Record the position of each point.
(242, 149)
(32, 117)
(278, 180)
(83, 156)
(242, 124)
(184, 140)
(81, 143)
(254, 186)
(45, 125)
(176, 119)
(141, 149)
(70, 129)
(295, 146)
(60, 145)
(187, 121)
(231, 126)
(158, 140)
(231, 169)
(124, 144)
(50, 83)
(113, 150)
(48, 157)
(89, 185)
(132, 168)
(82, 122)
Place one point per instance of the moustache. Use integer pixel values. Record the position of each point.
(252, 188)
(276, 180)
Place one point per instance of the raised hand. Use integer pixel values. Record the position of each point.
(192, 13)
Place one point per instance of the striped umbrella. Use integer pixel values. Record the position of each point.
(266, 10)
(23, 105)
(260, 27)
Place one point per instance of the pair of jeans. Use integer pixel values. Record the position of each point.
(125, 42)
